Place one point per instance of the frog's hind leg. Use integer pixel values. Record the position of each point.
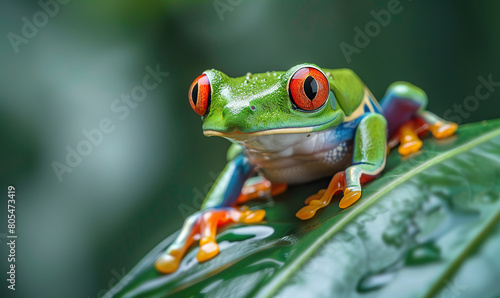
(404, 108)
(408, 136)
(401, 103)
(258, 187)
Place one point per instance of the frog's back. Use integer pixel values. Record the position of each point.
(347, 87)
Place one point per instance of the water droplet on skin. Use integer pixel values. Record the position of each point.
(246, 82)
(268, 73)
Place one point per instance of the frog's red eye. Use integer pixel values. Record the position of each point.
(308, 89)
(199, 95)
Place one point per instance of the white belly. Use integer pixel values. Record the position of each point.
(298, 158)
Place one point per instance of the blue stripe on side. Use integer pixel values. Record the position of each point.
(227, 188)
(345, 131)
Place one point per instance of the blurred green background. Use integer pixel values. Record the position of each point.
(77, 237)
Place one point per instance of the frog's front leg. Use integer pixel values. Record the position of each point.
(370, 146)
(219, 208)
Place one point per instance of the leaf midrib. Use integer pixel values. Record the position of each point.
(455, 264)
(277, 282)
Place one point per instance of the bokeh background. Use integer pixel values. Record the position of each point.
(78, 236)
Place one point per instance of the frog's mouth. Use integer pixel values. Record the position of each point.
(243, 136)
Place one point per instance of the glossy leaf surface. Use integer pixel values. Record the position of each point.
(429, 226)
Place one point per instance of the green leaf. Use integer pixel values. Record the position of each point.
(428, 226)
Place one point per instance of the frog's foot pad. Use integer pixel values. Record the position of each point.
(323, 197)
(410, 147)
(169, 261)
(443, 129)
(350, 197)
(208, 249)
(251, 217)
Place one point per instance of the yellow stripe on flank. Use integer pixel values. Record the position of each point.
(361, 109)
(374, 100)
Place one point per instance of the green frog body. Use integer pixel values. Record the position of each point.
(294, 127)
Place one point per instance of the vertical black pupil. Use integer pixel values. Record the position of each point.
(310, 87)
(194, 94)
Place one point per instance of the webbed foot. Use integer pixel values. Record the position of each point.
(441, 130)
(203, 225)
(324, 196)
(409, 134)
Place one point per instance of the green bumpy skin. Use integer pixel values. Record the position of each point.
(369, 151)
(256, 110)
(232, 100)
(293, 127)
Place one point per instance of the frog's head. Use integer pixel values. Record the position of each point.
(299, 100)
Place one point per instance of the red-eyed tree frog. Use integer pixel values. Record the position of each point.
(294, 127)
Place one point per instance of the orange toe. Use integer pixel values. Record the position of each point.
(442, 130)
(250, 217)
(410, 147)
(167, 263)
(350, 197)
(208, 249)
(306, 212)
(315, 196)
